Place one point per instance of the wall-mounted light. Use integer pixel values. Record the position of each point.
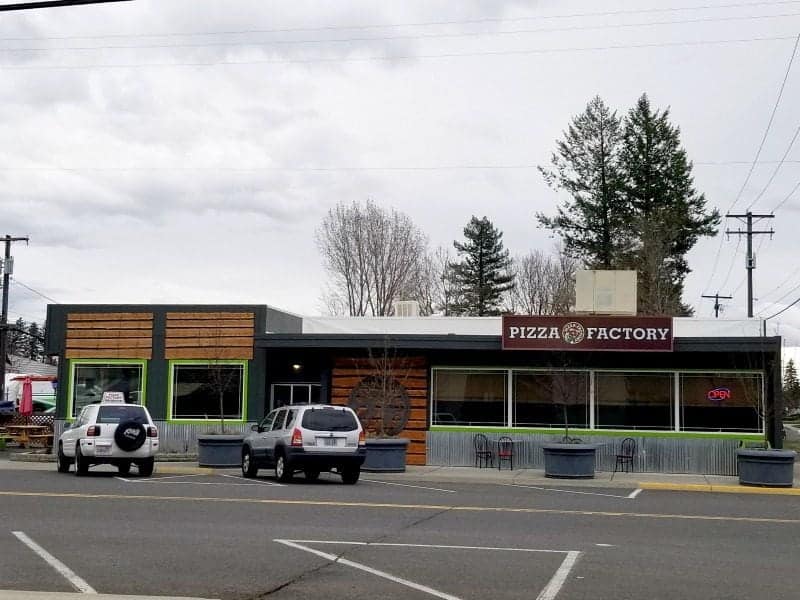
(297, 367)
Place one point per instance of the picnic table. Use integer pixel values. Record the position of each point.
(29, 435)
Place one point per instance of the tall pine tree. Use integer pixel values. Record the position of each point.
(668, 214)
(791, 387)
(595, 222)
(483, 274)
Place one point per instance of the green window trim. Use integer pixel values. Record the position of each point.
(78, 362)
(205, 362)
(605, 432)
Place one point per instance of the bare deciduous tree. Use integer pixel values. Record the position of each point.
(545, 284)
(373, 255)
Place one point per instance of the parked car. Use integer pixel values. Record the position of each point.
(311, 438)
(109, 433)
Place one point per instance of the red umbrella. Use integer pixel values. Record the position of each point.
(26, 403)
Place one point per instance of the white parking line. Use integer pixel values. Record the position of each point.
(549, 592)
(254, 481)
(157, 478)
(51, 560)
(547, 489)
(421, 487)
(556, 583)
(634, 493)
(349, 563)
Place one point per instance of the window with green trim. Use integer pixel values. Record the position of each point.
(91, 380)
(469, 397)
(721, 402)
(207, 391)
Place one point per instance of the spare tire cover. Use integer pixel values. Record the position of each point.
(130, 435)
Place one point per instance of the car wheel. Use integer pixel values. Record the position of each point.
(130, 435)
(312, 474)
(81, 466)
(63, 459)
(283, 469)
(124, 467)
(350, 474)
(146, 467)
(249, 467)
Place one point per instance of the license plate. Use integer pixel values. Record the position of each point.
(329, 441)
(102, 449)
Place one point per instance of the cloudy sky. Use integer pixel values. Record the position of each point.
(186, 150)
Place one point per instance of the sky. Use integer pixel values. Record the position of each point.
(185, 151)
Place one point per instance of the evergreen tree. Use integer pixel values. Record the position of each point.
(791, 387)
(483, 274)
(594, 223)
(16, 337)
(34, 347)
(668, 214)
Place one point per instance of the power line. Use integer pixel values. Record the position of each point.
(37, 292)
(789, 195)
(529, 52)
(733, 262)
(413, 24)
(52, 4)
(777, 168)
(421, 36)
(783, 310)
(760, 147)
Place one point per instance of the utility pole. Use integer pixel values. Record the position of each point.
(717, 306)
(8, 268)
(750, 261)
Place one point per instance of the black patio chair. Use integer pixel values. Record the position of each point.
(505, 452)
(625, 456)
(483, 451)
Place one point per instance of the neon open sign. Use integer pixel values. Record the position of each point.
(719, 394)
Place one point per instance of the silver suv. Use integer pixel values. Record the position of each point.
(311, 438)
(109, 433)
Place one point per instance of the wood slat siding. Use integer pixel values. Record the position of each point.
(109, 335)
(412, 373)
(211, 335)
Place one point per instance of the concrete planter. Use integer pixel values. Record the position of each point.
(569, 461)
(219, 450)
(774, 468)
(386, 455)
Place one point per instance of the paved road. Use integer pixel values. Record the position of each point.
(220, 536)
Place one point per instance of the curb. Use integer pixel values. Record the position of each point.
(41, 457)
(719, 489)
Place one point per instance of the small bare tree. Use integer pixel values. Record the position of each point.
(221, 375)
(545, 284)
(373, 256)
(380, 399)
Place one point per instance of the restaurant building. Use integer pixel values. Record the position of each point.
(688, 390)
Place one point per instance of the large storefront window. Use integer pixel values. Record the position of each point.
(295, 393)
(469, 397)
(721, 402)
(196, 390)
(91, 380)
(540, 399)
(634, 400)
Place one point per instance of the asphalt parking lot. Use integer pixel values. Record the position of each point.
(221, 536)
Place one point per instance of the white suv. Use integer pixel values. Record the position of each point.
(109, 433)
(309, 438)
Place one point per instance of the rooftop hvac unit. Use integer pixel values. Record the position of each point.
(406, 308)
(605, 292)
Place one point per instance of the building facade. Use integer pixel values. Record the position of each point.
(688, 390)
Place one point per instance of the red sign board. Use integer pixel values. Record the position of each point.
(646, 334)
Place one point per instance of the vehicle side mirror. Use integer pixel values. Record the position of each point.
(67, 426)
(255, 428)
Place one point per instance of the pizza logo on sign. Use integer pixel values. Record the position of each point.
(573, 333)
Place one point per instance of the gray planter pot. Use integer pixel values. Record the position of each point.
(774, 468)
(569, 461)
(219, 450)
(386, 455)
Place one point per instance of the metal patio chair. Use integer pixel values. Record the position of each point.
(505, 452)
(483, 451)
(625, 456)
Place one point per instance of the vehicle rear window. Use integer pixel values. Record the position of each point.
(118, 414)
(329, 419)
